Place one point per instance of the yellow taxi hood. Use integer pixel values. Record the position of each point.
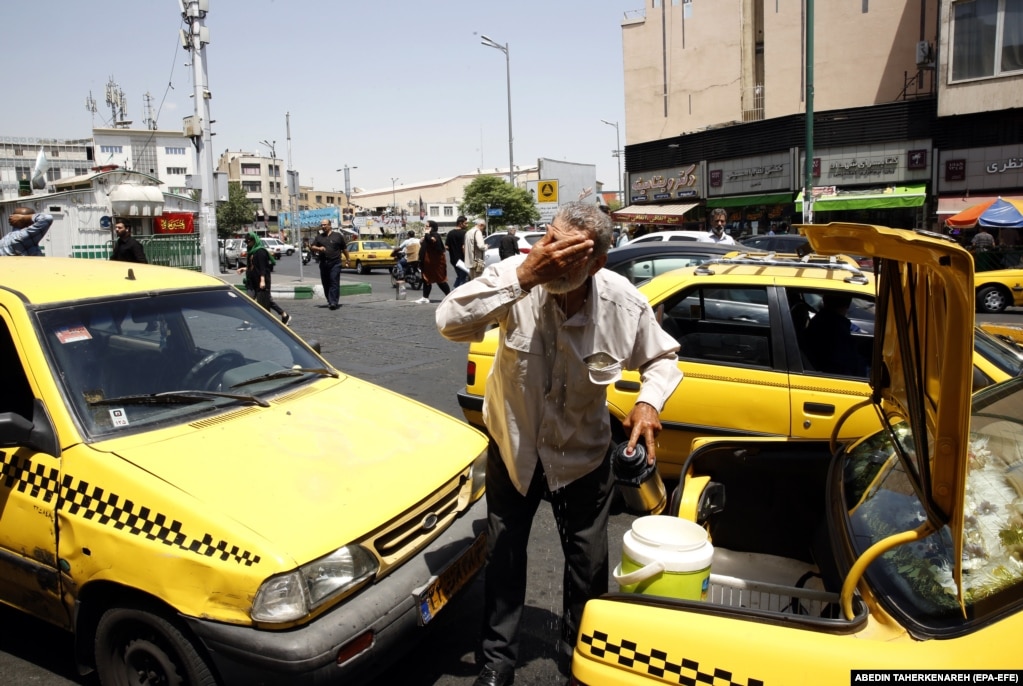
(924, 327)
(318, 469)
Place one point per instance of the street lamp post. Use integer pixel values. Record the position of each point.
(273, 166)
(491, 43)
(348, 185)
(394, 202)
(618, 154)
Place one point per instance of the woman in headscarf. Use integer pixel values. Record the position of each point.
(434, 266)
(257, 275)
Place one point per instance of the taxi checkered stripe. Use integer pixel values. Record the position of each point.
(656, 663)
(109, 509)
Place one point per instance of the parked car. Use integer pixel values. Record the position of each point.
(998, 289)
(526, 241)
(679, 235)
(364, 256)
(276, 247)
(640, 262)
(233, 252)
(176, 494)
(782, 242)
(741, 322)
(835, 564)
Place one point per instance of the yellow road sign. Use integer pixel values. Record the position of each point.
(547, 191)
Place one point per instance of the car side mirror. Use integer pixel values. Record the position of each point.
(38, 434)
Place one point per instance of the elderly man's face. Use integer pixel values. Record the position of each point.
(577, 277)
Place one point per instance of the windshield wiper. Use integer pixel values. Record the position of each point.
(178, 397)
(284, 373)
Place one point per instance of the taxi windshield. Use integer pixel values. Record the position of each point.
(916, 579)
(142, 361)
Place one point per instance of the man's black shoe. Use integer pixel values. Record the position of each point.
(494, 677)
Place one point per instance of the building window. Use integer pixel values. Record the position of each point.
(111, 148)
(177, 170)
(330, 199)
(303, 196)
(987, 38)
(319, 199)
(250, 170)
(52, 174)
(449, 211)
(252, 186)
(274, 170)
(174, 151)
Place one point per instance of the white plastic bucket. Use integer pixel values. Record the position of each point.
(665, 556)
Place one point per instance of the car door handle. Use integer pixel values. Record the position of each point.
(820, 409)
(627, 386)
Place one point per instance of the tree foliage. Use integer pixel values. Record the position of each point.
(234, 214)
(517, 204)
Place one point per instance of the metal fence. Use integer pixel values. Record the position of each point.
(178, 250)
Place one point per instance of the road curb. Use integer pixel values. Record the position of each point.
(304, 291)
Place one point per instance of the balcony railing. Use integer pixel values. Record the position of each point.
(753, 103)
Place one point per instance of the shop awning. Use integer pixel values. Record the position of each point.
(957, 203)
(133, 200)
(653, 214)
(891, 197)
(751, 200)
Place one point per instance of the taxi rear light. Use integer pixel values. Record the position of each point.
(355, 647)
(470, 373)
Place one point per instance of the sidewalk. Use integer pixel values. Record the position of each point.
(284, 287)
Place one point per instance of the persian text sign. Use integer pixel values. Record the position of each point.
(174, 222)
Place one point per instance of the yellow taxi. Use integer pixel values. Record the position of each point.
(998, 289)
(179, 492)
(895, 557)
(364, 256)
(750, 365)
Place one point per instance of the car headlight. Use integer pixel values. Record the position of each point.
(292, 596)
(478, 474)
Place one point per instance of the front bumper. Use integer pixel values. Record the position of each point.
(307, 655)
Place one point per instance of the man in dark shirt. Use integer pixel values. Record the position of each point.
(330, 246)
(509, 244)
(126, 248)
(455, 243)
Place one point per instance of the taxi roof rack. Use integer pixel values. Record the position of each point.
(775, 259)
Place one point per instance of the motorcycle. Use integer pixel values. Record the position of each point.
(306, 256)
(405, 271)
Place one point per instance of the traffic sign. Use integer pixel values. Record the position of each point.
(495, 212)
(547, 191)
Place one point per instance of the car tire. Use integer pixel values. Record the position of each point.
(992, 299)
(290, 253)
(360, 268)
(131, 642)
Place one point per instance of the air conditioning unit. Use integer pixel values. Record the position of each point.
(923, 53)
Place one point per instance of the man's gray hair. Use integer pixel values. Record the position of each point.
(587, 217)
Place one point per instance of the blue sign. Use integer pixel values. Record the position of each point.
(495, 212)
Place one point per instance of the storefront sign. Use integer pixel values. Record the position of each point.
(174, 222)
(756, 174)
(668, 185)
(864, 168)
(891, 164)
(995, 170)
(955, 170)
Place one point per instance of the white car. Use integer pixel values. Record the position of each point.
(699, 236)
(278, 247)
(526, 241)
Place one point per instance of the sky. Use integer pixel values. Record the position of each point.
(395, 90)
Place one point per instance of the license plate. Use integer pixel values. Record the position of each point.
(440, 589)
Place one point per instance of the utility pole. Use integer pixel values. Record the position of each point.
(292, 192)
(808, 162)
(195, 38)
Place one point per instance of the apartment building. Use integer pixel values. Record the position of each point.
(913, 101)
(262, 180)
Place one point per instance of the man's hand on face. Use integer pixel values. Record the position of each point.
(20, 221)
(554, 255)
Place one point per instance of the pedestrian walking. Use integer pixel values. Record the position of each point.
(257, 275)
(126, 248)
(331, 247)
(435, 268)
(475, 249)
(508, 246)
(567, 329)
(455, 242)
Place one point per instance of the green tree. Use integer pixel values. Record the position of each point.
(235, 213)
(517, 204)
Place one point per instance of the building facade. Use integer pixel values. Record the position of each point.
(716, 109)
(262, 180)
